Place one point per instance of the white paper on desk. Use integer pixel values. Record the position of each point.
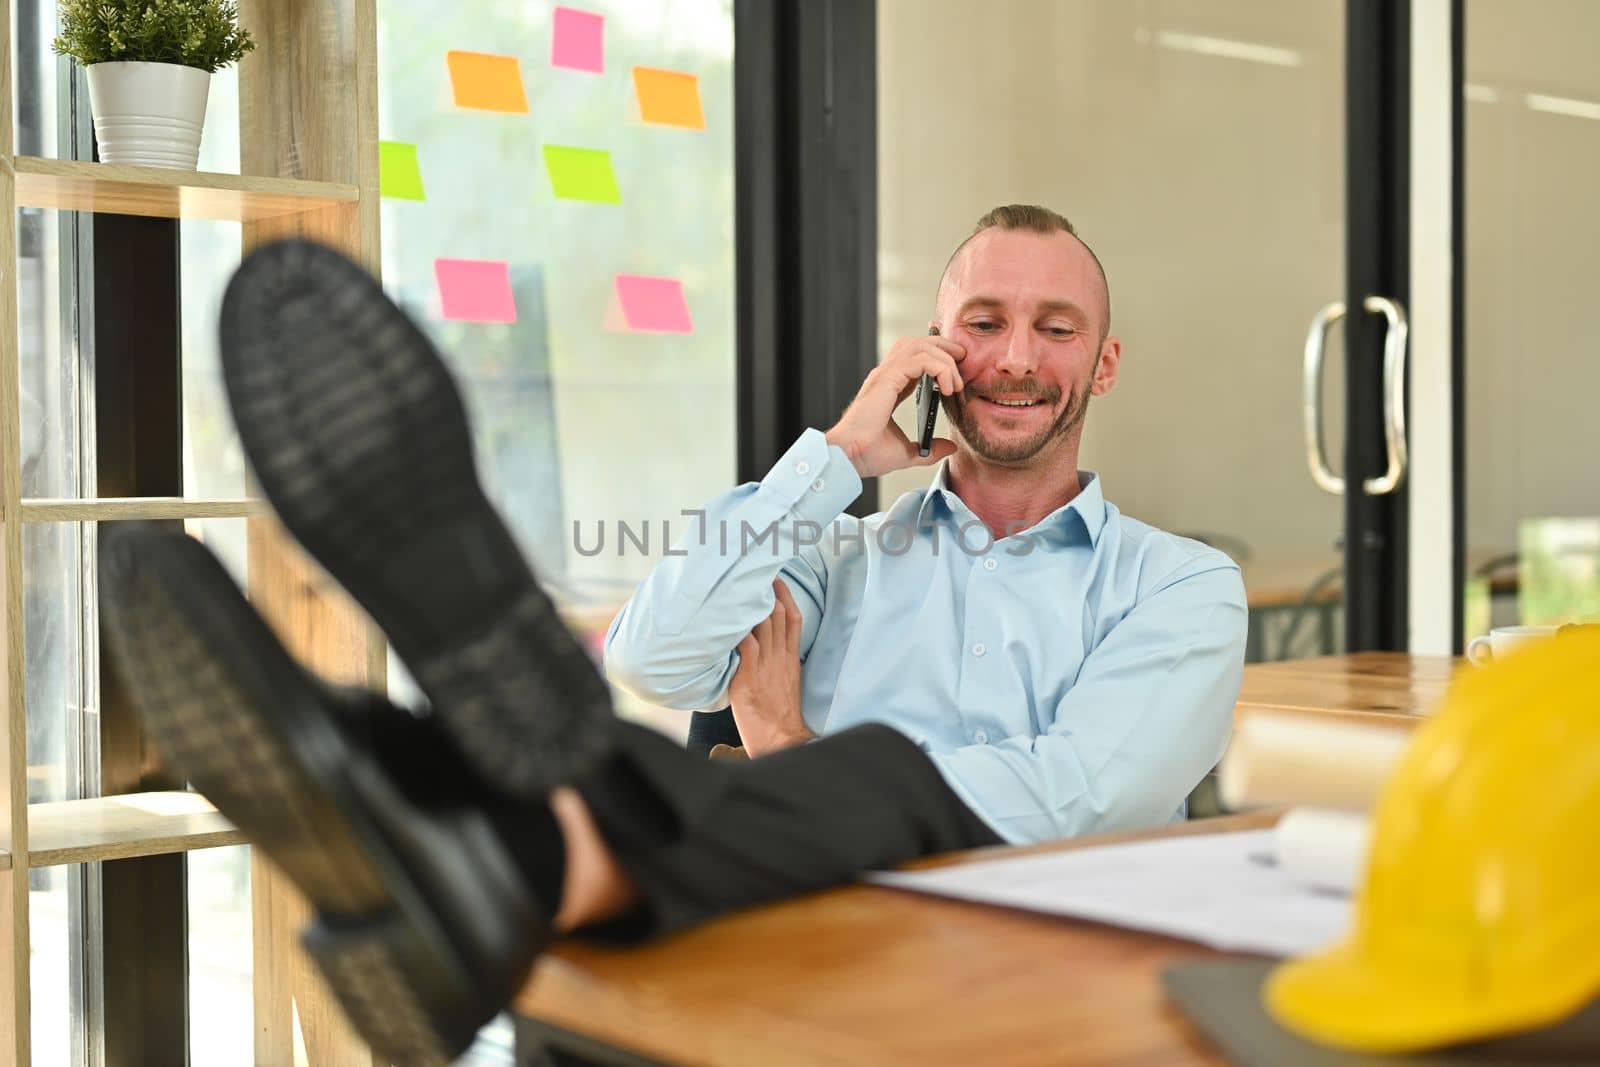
(1203, 887)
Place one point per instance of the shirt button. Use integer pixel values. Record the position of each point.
(989, 564)
(802, 467)
(816, 486)
(980, 736)
(978, 650)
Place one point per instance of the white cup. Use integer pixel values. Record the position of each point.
(1502, 640)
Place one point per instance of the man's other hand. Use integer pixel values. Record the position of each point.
(765, 691)
(867, 431)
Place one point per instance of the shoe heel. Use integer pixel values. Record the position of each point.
(412, 1006)
(522, 700)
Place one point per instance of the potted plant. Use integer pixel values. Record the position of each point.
(149, 64)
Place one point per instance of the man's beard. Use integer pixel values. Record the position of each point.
(1015, 451)
(965, 423)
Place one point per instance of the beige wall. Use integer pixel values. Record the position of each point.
(1212, 188)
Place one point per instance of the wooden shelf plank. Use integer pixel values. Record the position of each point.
(114, 828)
(74, 185)
(113, 509)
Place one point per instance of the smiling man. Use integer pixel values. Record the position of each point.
(1067, 669)
(1078, 674)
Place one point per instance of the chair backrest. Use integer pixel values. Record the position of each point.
(708, 729)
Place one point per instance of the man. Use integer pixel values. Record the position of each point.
(1066, 668)
(440, 851)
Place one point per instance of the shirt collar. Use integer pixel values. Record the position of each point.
(1089, 505)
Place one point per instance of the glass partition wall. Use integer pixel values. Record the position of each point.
(1200, 150)
(1532, 129)
(1223, 158)
(586, 195)
(603, 403)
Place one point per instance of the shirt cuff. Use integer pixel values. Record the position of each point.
(814, 479)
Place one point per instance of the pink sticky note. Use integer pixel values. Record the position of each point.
(654, 304)
(475, 290)
(577, 40)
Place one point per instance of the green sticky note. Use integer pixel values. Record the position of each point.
(582, 174)
(399, 176)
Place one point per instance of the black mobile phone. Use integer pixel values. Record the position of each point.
(927, 407)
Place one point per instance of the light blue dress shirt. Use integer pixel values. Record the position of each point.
(1074, 677)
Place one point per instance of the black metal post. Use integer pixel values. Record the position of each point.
(807, 217)
(1377, 120)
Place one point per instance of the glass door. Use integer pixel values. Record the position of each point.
(1531, 98)
(1235, 165)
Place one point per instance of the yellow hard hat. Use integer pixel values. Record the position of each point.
(1479, 914)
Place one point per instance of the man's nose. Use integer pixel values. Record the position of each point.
(1019, 355)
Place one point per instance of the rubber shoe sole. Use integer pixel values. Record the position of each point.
(360, 441)
(231, 711)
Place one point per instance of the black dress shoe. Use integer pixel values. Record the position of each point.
(360, 441)
(427, 924)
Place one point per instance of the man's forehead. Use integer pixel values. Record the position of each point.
(1025, 264)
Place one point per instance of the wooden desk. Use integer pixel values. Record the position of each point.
(871, 976)
(1384, 688)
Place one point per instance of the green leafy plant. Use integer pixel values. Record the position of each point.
(192, 33)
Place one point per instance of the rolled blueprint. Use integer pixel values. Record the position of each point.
(1297, 759)
(1322, 849)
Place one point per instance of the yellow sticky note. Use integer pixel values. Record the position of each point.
(582, 174)
(487, 82)
(669, 97)
(399, 176)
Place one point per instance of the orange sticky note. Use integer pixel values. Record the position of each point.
(669, 97)
(487, 82)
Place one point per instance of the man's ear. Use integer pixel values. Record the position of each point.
(1105, 371)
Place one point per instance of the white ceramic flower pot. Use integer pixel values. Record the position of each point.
(148, 113)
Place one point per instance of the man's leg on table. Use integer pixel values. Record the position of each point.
(747, 832)
(380, 486)
(440, 851)
(435, 891)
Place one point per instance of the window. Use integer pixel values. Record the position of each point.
(585, 412)
(60, 681)
(579, 420)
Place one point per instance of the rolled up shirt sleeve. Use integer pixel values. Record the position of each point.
(673, 642)
(1149, 715)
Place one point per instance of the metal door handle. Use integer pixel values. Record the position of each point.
(1394, 395)
(1311, 398)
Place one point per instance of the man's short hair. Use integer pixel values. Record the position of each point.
(1036, 219)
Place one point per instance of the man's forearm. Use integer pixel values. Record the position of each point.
(672, 643)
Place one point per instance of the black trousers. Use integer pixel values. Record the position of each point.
(704, 837)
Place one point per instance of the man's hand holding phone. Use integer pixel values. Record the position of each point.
(867, 431)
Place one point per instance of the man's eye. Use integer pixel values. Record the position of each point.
(980, 327)
(1062, 331)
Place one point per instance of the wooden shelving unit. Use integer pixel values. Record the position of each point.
(74, 185)
(309, 153)
(118, 509)
(115, 828)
